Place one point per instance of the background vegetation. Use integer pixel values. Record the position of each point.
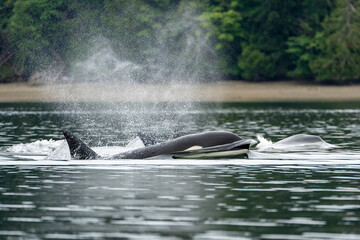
(250, 39)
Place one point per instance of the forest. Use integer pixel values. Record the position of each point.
(254, 40)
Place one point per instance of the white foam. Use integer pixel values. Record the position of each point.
(113, 150)
(296, 142)
(135, 143)
(61, 152)
(39, 146)
(263, 143)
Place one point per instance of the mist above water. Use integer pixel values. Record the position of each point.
(180, 53)
(103, 65)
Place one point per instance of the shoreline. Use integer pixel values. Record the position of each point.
(222, 91)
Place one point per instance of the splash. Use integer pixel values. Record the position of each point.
(177, 62)
(299, 142)
(182, 52)
(263, 143)
(179, 53)
(62, 151)
(103, 65)
(297, 147)
(59, 150)
(40, 147)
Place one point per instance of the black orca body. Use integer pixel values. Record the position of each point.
(206, 144)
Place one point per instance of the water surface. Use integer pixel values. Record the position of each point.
(296, 192)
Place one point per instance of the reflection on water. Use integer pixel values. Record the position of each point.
(182, 202)
(278, 193)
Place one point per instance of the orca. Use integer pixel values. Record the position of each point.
(212, 144)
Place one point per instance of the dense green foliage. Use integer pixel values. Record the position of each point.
(240, 39)
(338, 44)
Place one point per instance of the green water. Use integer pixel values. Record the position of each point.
(277, 194)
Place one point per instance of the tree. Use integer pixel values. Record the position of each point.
(302, 48)
(35, 33)
(223, 21)
(254, 64)
(268, 24)
(339, 44)
(252, 35)
(5, 53)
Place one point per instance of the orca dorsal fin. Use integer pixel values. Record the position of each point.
(78, 149)
(146, 139)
